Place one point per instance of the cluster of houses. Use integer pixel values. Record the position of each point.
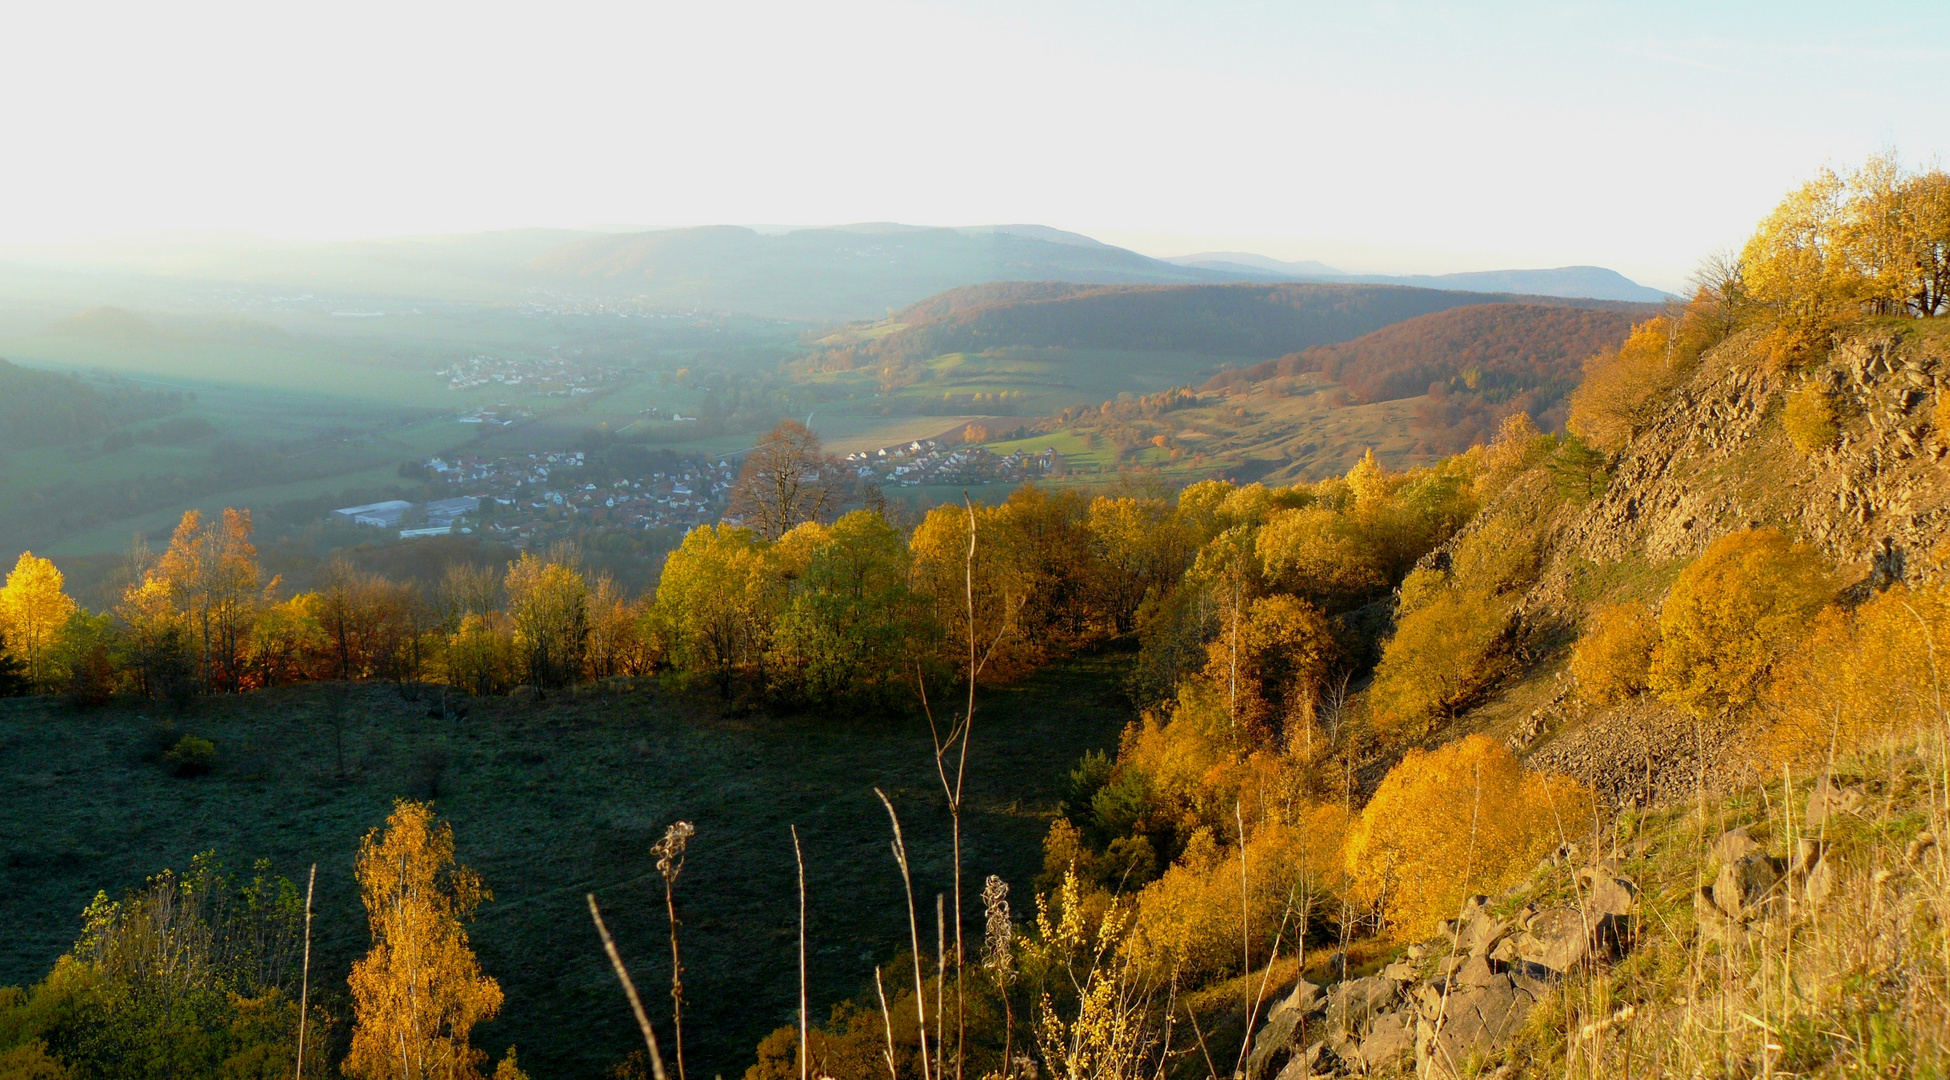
(527, 496)
(551, 376)
(930, 461)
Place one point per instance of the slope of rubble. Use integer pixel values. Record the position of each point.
(1659, 952)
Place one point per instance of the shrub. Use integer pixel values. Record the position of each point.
(1624, 392)
(1862, 677)
(1187, 922)
(1611, 658)
(1447, 823)
(1730, 615)
(1810, 419)
(1442, 655)
(191, 756)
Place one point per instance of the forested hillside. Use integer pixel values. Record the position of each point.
(39, 408)
(1475, 363)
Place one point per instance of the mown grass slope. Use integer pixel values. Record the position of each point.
(550, 801)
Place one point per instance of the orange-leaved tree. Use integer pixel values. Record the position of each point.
(1731, 615)
(1447, 823)
(418, 994)
(212, 573)
(1625, 391)
(1611, 658)
(1863, 677)
(33, 608)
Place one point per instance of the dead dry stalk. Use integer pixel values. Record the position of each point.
(805, 1051)
(670, 863)
(914, 936)
(629, 990)
(304, 980)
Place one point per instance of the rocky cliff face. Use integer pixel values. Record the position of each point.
(1876, 503)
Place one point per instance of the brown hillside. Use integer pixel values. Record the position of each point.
(1209, 320)
(1476, 363)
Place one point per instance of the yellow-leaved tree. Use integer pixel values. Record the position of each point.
(33, 608)
(1447, 823)
(1731, 615)
(1624, 391)
(1611, 657)
(1862, 677)
(418, 994)
(549, 603)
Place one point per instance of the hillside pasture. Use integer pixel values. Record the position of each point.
(550, 801)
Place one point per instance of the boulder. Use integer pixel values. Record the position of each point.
(1391, 1038)
(1558, 939)
(1480, 933)
(1275, 1045)
(1476, 1022)
(1606, 894)
(1477, 971)
(1734, 844)
(1827, 800)
(1306, 997)
(1746, 884)
(1399, 972)
(1355, 1002)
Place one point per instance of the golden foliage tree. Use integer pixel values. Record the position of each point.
(1464, 818)
(1796, 267)
(1612, 656)
(418, 994)
(1140, 547)
(33, 608)
(1271, 674)
(549, 604)
(1623, 392)
(1731, 615)
(1862, 677)
(1188, 921)
(213, 576)
(851, 625)
(718, 601)
(1321, 555)
(1442, 655)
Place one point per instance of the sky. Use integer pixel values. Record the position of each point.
(1379, 137)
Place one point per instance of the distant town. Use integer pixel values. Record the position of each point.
(535, 498)
(550, 376)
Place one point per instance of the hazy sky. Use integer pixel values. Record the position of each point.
(1383, 137)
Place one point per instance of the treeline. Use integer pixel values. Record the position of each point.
(1211, 320)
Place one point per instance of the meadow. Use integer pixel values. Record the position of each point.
(549, 801)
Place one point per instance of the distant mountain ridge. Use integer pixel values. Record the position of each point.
(1235, 319)
(832, 274)
(1591, 282)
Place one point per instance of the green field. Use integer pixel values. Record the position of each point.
(550, 802)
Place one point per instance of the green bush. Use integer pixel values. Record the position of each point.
(191, 756)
